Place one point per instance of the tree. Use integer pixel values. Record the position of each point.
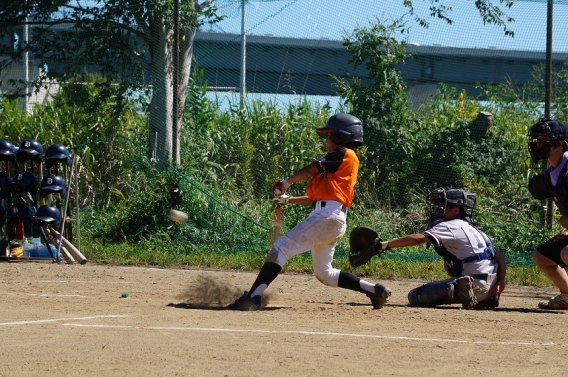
(489, 12)
(124, 39)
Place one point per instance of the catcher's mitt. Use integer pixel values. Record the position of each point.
(364, 243)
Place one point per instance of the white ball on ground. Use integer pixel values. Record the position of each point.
(177, 216)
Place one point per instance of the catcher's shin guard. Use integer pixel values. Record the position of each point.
(451, 291)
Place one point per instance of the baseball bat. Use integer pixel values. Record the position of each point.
(276, 226)
(66, 254)
(72, 249)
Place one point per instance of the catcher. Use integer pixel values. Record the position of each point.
(477, 270)
(548, 141)
(330, 193)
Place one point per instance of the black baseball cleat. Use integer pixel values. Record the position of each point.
(490, 303)
(465, 292)
(380, 297)
(246, 303)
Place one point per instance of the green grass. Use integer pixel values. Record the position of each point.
(175, 256)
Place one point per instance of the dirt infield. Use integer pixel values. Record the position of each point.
(70, 320)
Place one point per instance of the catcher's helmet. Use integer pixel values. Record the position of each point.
(5, 185)
(25, 182)
(439, 198)
(52, 184)
(29, 149)
(343, 129)
(542, 134)
(49, 215)
(7, 151)
(55, 154)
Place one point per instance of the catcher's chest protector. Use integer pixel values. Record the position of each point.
(558, 192)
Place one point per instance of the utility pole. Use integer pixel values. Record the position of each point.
(176, 109)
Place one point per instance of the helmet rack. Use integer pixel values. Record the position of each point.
(35, 216)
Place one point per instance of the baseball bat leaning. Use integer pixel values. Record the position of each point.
(66, 254)
(72, 249)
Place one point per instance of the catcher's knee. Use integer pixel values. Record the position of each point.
(431, 294)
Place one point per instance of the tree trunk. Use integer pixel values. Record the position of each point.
(161, 104)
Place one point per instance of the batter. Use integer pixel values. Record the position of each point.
(330, 192)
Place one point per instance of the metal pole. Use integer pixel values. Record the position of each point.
(548, 90)
(243, 52)
(26, 63)
(175, 139)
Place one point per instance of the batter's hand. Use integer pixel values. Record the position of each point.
(280, 187)
(497, 290)
(280, 199)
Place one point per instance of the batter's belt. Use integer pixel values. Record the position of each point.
(323, 203)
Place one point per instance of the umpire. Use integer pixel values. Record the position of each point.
(547, 141)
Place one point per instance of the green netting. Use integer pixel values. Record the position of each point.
(446, 105)
(133, 205)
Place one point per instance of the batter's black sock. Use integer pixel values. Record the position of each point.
(267, 274)
(349, 281)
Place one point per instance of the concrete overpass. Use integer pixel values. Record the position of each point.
(285, 65)
(306, 66)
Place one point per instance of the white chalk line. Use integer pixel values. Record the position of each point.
(41, 295)
(39, 321)
(439, 340)
(75, 281)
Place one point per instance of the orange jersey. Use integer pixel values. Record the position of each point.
(336, 177)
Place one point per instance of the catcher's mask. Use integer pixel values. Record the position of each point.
(438, 199)
(542, 135)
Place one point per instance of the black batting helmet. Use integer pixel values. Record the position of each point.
(7, 151)
(52, 184)
(55, 154)
(49, 215)
(30, 149)
(343, 129)
(25, 181)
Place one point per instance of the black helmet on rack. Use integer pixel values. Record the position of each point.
(56, 154)
(49, 215)
(29, 149)
(25, 182)
(19, 212)
(52, 184)
(7, 151)
(343, 129)
(5, 185)
(438, 199)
